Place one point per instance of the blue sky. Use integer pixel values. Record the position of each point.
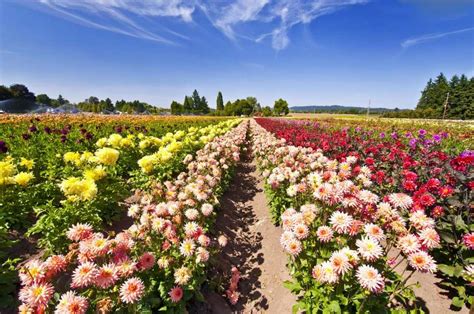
(322, 52)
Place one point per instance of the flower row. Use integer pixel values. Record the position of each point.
(440, 183)
(156, 264)
(349, 249)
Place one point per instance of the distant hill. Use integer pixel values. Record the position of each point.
(338, 109)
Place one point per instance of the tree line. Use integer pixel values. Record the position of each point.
(248, 106)
(91, 104)
(453, 99)
(194, 104)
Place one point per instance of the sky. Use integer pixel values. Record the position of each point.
(314, 52)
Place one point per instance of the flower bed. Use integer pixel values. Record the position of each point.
(339, 235)
(441, 185)
(155, 265)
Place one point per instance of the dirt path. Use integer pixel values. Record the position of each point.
(253, 247)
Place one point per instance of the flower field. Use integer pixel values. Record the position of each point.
(105, 214)
(58, 172)
(348, 199)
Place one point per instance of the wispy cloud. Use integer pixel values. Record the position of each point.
(430, 37)
(272, 18)
(285, 14)
(118, 16)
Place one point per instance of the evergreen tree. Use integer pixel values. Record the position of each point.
(426, 96)
(441, 91)
(219, 102)
(187, 105)
(176, 108)
(61, 100)
(196, 101)
(203, 106)
(109, 106)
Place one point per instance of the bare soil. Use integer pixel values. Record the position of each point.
(253, 248)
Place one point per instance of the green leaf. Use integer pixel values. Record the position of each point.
(459, 222)
(334, 307)
(446, 269)
(457, 302)
(447, 237)
(292, 286)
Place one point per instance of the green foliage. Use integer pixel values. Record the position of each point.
(43, 99)
(433, 98)
(246, 107)
(267, 111)
(281, 107)
(5, 93)
(176, 108)
(219, 102)
(195, 104)
(187, 105)
(21, 91)
(453, 256)
(59, 102)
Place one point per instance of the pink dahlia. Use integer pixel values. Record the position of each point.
(70, 303)
(146, 261)
(84, 275)
(79, 232)
(324, 234)
(469, 240)
(176, 294)
(132, 290)
(37, 295)
(106, 276)
(56, 263)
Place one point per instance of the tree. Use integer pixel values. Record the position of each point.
(21, 91)
(196, 101)
(62, 101)
(176, 108)
(254, 103)
(281, 107)
(109, 106)
(43, 99)
(92, 100)
(219, 102)
(229, 109)
(267, 111)
(187, 105)
(5, 93)
(203, 106)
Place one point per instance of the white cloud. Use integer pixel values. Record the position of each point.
(272, 18)
(238, 12)
(430, 37)
(284, 13)
(120, 15)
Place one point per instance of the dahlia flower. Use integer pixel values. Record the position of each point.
(132, 290)
(369, 249)
(176, 294)
(70, 303)
(370, 278)
(84, 275)
(422, 261)
(37, 295)
(324, 233)
(341, 222)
